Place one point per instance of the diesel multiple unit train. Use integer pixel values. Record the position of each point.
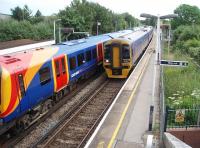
(121, 54)
(33, 81)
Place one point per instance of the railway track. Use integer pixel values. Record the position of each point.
(15, 139)
(74, 130)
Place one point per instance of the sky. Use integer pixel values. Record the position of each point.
(134, 7)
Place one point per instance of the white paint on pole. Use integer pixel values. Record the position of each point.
(149, 141)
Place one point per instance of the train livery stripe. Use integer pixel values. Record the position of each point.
(36, 62)
(12, 92)
(6, 89)
(38, 59)
(66, 67)
(54, 75)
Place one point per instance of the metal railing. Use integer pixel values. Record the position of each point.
(182, 118)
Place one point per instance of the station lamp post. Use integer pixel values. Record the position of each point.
(98, 24)
(158, 17)
(54, 28)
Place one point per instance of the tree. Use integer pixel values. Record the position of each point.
(38, 13)
(83, 16)
(187, 15)
(37, 18)
(17, 13)
(21, 14)
(149, 21)
(26, 12)
(130, 20)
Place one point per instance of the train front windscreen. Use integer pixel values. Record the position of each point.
(125, 53)
(107, 53)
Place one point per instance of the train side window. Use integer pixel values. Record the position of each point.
(80, 59)
(125, 52)
(94, 53)
(57, 68)
(21, 85)
(72, 62)
(45, 76)
(88, 56)
(63, 65)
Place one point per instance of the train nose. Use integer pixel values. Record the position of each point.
(116, 57)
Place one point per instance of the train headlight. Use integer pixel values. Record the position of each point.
(107, 61)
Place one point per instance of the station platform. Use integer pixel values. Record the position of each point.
(126, 122)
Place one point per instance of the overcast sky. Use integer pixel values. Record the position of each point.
(134, 7)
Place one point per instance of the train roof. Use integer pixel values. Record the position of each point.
(76, 45)
(137, 34)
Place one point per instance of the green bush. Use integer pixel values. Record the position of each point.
(187, 40)
(13, 30)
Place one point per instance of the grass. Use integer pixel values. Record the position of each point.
(182, 84)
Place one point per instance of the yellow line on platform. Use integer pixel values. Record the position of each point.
(127, 105)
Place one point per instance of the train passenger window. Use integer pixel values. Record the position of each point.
(88, 56)
(21, 85)
(63, 65)
(80, 59)
(107, 52)
(125, 52)
(72, 62)
(45, 75)
(94, 53)
(57, 68)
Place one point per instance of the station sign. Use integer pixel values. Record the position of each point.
(174, 63)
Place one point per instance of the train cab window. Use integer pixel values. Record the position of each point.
(94, 53)
(81, 59)
(107, 52)
(21, 85)
(57, 68)
(88, 56)
(45, 76)
(63, 65)
(125, 52)
(72, 62)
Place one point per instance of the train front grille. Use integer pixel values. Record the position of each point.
(116, 71)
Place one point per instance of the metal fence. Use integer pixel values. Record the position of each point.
(182, 118)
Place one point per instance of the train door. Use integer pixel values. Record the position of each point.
(116, 56)
(21, 89)
(100, 52)
(60, 69)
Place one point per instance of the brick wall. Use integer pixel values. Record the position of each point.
(189, 136)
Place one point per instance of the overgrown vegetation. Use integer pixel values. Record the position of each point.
(187, 40)
(13, 30)
(182, 84)
(82, 15)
